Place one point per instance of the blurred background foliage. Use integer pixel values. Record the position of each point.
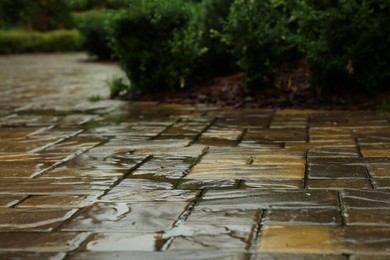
(165, 45)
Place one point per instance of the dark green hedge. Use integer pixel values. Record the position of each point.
(31, 41)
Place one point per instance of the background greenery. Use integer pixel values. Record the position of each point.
(165, 45)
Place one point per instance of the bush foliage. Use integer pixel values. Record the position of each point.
(31, 41)
(95, 36)
(157, 43)
(346, 43)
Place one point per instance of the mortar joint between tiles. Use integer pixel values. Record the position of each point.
(256, 235)
(343, 209)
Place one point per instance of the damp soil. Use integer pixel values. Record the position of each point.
(291, 89)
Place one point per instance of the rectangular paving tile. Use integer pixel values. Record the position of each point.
(273, 184)
(10, 200)
(41, 242)
(198, 184)
(32, 255)
(212, 215)
(229, 237)
(248, 171)
(334, 171)
(256, 198)
(63, 202)
(193, 254)
(336, 152)
(374, 199)
(368, 217)
(122, 217)
(379, 170)
(339, 184)
(46, 186)
(302, 217)
(324, 240)
(17, 220)
(124, 194)
(119, 242)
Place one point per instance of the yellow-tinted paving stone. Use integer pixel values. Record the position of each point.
(31, 255)
(296, 239)
(278, 161)
(250, 171)
(56, 202)
(32, 219)
(374, 152)
(324, 240)
(364, 217)
(41, 242)
(271, 184)
(379, 170)
(10, 200)
(382, 183)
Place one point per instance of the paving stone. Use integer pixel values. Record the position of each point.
(166, 167)
(41, 242)
(382, 184)
(336, 152)
(339, 184)
(123, 194)
(324, 240)
(360, 199)
(60, 202)
(334, 171)
(302, 217)
(31, 255)
(21, 169)
(299, 256)
(375, 152)
(364, 217)
(32, 219)
(255, 198)
(208, 184)
(117, 242)
(285, 184)
(369, 256)
(294, 135)
(250, 171)
(170, 254)
(122, 217)
(144, 184)
(195, 181)
(210, 215)
(229, 237)
(27, 186)
(10, 200)
(379, 170)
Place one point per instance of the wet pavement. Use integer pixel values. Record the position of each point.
(125, 180)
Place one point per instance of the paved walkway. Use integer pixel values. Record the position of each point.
(119, 180)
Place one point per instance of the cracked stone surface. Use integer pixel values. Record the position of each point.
(146, 180)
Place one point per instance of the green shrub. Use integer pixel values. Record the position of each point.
(95, 37)
(218, 60)
(256, 33)
(346, 44)
(31, 41)
(157, 43)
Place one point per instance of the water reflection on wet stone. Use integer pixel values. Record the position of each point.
(145, 180)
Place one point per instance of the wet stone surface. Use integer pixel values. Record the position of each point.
(145, 180)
